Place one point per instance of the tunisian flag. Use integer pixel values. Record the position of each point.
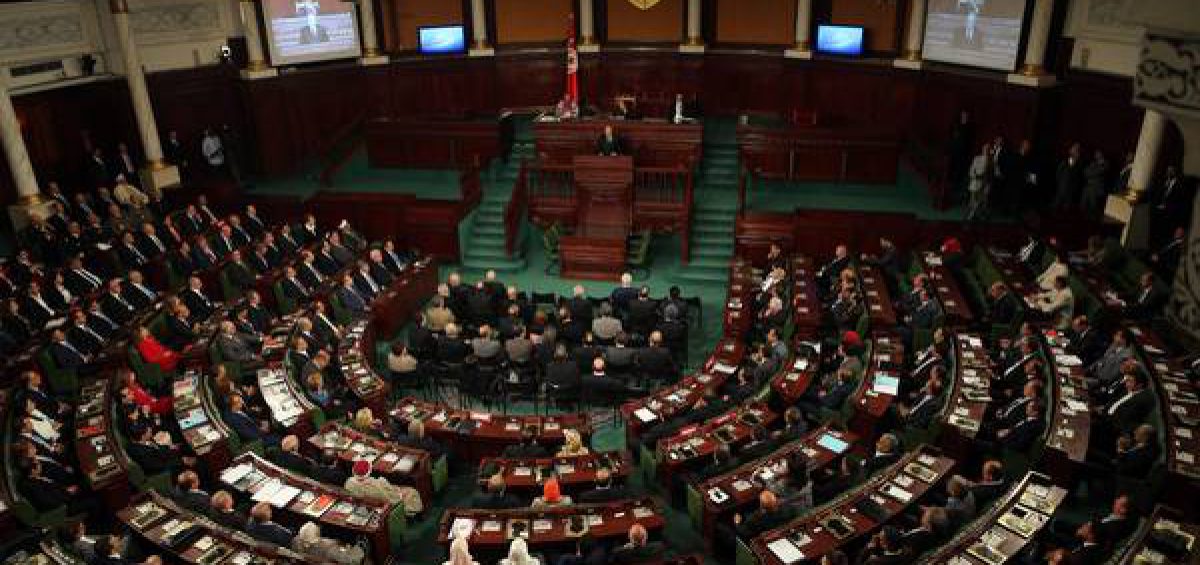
(572, 94)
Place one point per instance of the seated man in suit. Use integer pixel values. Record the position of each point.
(1004, 306)
(153, 451)
(769, 515)
(655, 361)
(247, 427)
(919, 413)
(930, 530)
(80, 334)
(885, 548)
(239, 274)
(181, 331)
(1020, 436)
(528, 448)
(351, 299)
(197, 302)
(1129, 410)
(223, 512)
(991, 483)
(189, 493)
(69, 358)
(1087, 342)
(886, 453)
(44, 494)
(639, 549)
(237, 348)
(605, 490)
(262, 528)
(495, 498)
(137, 292)
(609, 144)
(1136, 457)
(115, 305)
(1149, 300)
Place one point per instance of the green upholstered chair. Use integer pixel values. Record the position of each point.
(397, 522)
(695, 506)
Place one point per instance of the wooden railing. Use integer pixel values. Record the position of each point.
(550, 181)
(338, 151)
(514, 212)
(471, 187)
(743, 180)
(930, 163)
(689, 200)
(660, 184)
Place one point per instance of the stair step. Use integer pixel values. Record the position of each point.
(724, 216)
(501, 265)
(709, 262)
(703, 275)
(703, 253)
(488, 252)
(714, 245)
(717, 204)
(716, 230)
(489, 231)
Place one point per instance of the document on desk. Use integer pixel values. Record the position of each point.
(235, 474)
(267, 491)
(786, 551)
(645, 415)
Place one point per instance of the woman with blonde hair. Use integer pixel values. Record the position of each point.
(364, 421)
(572, 444)
(460, 553)
(518, 554)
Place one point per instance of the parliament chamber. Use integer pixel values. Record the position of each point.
(589, 282)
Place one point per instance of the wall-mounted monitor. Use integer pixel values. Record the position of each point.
(307, 31)
(840, 40)
(439, 40)
(978, 33)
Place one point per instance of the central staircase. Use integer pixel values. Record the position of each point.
(714, 213)
(485, 245)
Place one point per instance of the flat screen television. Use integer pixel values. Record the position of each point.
(439, 40)
(840, 40)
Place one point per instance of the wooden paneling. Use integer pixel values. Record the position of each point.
(532, 21)
(661, 23)
(879, 19)
(401, 18)
(296, 117)
(758, 22)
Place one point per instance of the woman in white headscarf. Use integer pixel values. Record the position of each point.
(309, 542)
(460, 554)
(518, 554)
(572, 444)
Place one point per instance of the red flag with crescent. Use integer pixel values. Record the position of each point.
(572, 93)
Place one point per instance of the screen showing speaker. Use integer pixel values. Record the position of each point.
(840, 39)
(977, 33)
(307, 31)
(436, 40)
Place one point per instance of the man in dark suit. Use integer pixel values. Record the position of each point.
(1068, 179)
(639, 549)
(608, 144)
(350, 297)
(136, 292)
(655, 361)
(364, 283)
(1119, 523)
(203, 255)
(238, 273)
(84, 337)
(191, 495)
(1090, 549)
(262, 528)
(770, 515)
(604, 491)
(1173, 201)
(1149, 300)
(991, 483)
(580, 307)
(1130, 410)
(224, 513)
(79, 280)
(115, 305)
(1020, 436)
(246, 427)
(181, 332)
(1086, 342)
(154, 454)
(885, 454)
(643, 313)
(1135, 458)
(293, 287)
(495, 498)
(1004, 306)
(68, 357)
(195, 299)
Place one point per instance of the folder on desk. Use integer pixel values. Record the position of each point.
(786, 551)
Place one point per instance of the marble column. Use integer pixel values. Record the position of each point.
(695, 39)
(803, 47)
(1032, 72)
(29, 200)
(256, 66)
(1130, 208)
(370, 38)
(587, 28)
(157, 174)
(480, 47)
(914, 36)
